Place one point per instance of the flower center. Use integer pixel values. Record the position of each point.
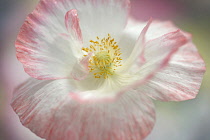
(106, 57)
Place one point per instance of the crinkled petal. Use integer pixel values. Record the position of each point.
(102, 17)
(81, 69)
(46, 58)
(72, 24)
(138, 50)
(180, 80)
(46, 108)
(38, 43)
(156, 29)
(158, 53)
(134, 29)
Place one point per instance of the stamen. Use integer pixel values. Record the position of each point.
(106, 57)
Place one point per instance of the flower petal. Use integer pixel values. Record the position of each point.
(51, 59)
(157, 54)
(134, 29)
(180, 80)
(138, 50)
(72, 24)
(102, 17)
(156, 29)
(46, 108)
(80, 69)
(38, 42)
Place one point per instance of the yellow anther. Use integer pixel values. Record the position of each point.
(106, 57)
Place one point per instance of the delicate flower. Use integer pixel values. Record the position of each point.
(93, 75)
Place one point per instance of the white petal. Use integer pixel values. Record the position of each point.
(134, 29)
(158, 53)
(46, 59)
(138, 50)
(38, 43)
(46, 109)
(99, 17)
(80, 69)
(180, 80)
(72, 24)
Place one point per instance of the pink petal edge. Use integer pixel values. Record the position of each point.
(138, 50)
(180, 80)
(80, 70)
(131, 117)
(181, 41)
(72, 24)
(177, 37)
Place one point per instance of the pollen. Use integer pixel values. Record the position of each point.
(106, 57)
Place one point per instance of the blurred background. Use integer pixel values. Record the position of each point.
(188, 120)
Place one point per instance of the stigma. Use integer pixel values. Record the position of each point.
(106, 57)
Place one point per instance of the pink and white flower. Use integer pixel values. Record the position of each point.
(93, 70)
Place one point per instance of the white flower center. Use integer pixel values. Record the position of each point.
(106, 57)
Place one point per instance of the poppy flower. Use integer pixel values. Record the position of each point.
(94, 70)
